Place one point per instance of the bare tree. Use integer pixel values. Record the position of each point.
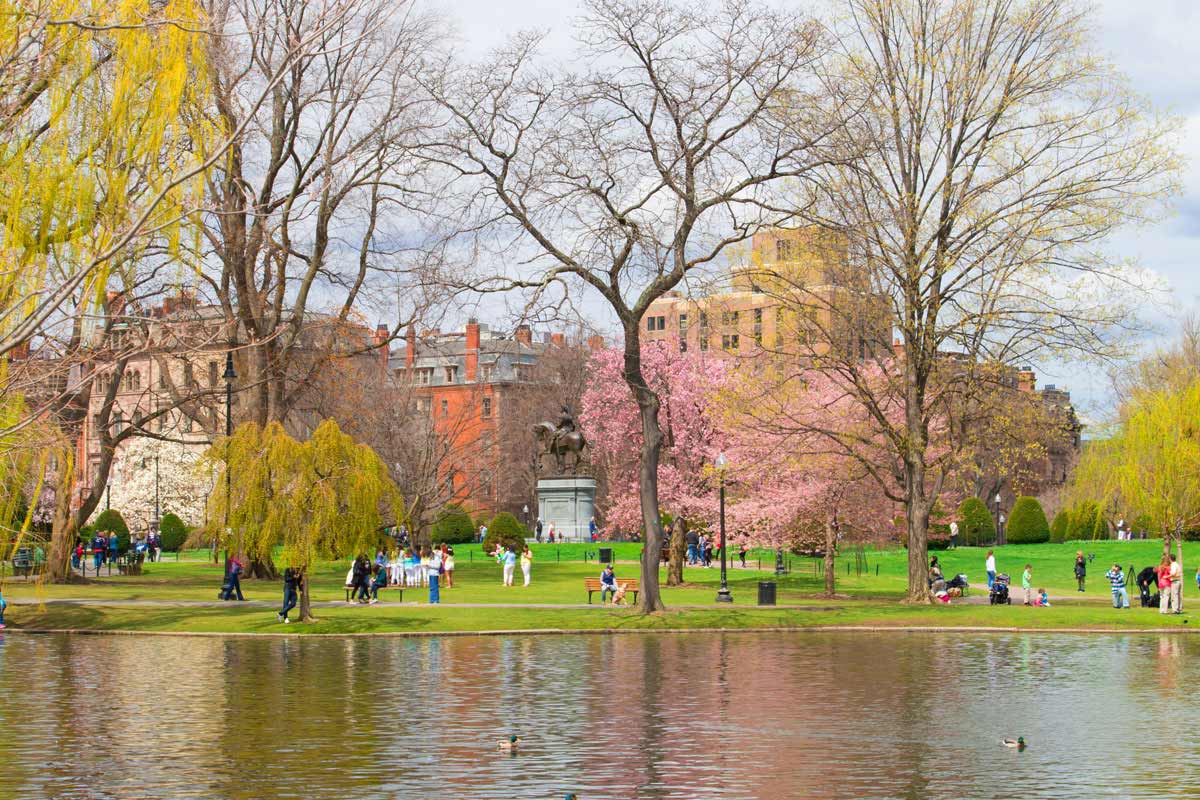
(632, 168)
(990, 153)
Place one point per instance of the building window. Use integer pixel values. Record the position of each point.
(445, 409)
(488, 371)
(703, 341)
(212, 373)
(785, 250)
(758, 318)
(683, 323)
(682, 344)
(449, 374)
(729, 341)
(729, 317)
(656, 323)
(703, 319)
(487, 407)
(424, 376)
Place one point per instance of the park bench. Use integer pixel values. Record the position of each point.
(594, 585)
(129, 564)
(392, 586)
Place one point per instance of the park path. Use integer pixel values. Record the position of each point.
(92, 601)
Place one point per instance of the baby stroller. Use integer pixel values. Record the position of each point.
(999, 592)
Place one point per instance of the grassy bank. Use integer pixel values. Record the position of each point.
(870, 592)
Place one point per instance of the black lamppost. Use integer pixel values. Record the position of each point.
(723, 595)
(229, 377)
(156, 492)
(108, 495)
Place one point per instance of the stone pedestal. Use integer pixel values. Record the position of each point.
(570, 503)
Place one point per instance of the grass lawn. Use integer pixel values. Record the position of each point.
(558, 575)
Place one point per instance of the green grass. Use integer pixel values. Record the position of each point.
(558, 575)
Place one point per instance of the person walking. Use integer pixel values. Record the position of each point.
(526, 563)
(537, 530)
(593, 530)
(1080, 568)
(1175, 572)
(693, 542)
(1027, 584)
(114, 545)
(550, 533)
(233, 582)
(291, 594)
(989, 566)
(953, 535)
(432, 568)
(1116, 579)
(742, 554)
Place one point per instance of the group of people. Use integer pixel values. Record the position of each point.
(507, 558)
(431, 566)
(104, 549)
(700, 548)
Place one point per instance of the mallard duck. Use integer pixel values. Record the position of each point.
(1018, 743)
(510, 744)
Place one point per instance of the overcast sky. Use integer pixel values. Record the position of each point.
(1155, 42)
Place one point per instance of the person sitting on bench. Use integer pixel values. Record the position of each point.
(608, 583)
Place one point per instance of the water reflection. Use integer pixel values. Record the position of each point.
(695, 716)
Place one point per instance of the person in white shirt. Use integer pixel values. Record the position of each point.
(953, 535)
(433, 569)
(1176, 575)
(990, 567)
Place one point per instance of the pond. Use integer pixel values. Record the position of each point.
(633, 716)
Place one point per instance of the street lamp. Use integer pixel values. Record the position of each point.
(723, 595)
(156, 492)
(525, 515)
(999, 530)
(229, 376)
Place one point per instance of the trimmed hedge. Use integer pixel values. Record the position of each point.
(975, 523)
(1058, 528)
(173, 531)
(111, 521)
(453, 527)
(1027, 523)
(505, 530)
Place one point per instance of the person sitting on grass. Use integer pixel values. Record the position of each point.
(608, 583)
(1041, 598)
(1116, 579)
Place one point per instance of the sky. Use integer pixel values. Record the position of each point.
(1156, 43)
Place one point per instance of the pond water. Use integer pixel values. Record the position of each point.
(636, 716)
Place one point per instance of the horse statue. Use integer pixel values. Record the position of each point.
(558, 442)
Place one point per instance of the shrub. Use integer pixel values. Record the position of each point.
(975, 523)
(1099, 526)
(1082, 523)
(453, 527)
(1027, 522)
(173, 531)
(111, 521)
(507, 531)
(1058, 528)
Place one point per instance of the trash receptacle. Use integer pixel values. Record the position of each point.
(606, 555)
(766, 593)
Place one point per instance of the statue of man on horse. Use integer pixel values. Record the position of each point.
(558, 439)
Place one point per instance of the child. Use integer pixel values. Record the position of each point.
(1027, 584)
(1116, 579)
(1042, 599)
(379, 582)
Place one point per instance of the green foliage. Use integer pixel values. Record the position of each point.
(1086, 522)
(507, 531)
(110, 521)
(173, 531)
(453, 526)
(321, 499)
(1027, 522)
(975, 523)
(1058, 528)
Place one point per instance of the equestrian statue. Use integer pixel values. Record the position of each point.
(558, 439)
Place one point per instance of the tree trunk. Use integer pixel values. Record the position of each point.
(262, 569)
(678, 553)
(649, 598)
(305, 606)
(64, 532)
(830, 544)
(917, 523)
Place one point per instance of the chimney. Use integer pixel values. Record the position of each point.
(169, 305)
(410, 347)
(471, 351)
(20, 352)
(595, 343)
(379, 339)
(898, 347)
(524, 334)
(1026, 379)
(558, 339)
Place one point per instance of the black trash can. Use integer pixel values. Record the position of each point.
(606, 555)
(766, 593)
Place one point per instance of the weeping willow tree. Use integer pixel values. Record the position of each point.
(318, 499)
(1151, 465)
(99, 149)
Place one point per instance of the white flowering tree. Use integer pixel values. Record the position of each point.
(184, 484)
